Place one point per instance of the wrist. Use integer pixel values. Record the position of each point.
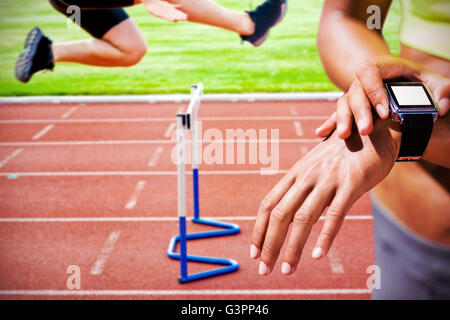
(389, 133)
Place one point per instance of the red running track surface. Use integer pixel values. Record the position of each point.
(94, 186)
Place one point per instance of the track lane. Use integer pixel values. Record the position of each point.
(43, 250)
(135, 263)
(106, 196)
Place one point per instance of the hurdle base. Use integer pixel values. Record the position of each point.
(230, 265)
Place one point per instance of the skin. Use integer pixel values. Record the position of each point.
(350, 162)
(124, 45)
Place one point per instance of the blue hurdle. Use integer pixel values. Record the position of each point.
(189, 121)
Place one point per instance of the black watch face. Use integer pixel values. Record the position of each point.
(409, 95)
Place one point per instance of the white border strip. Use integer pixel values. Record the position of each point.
(176, 98)
(134, 173)
(163, 119)
(130, 142)
(149, 219)
(237, 292)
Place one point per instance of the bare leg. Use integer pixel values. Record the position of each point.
(210, 13)
(123, 45)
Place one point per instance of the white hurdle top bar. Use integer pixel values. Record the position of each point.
(189, 121)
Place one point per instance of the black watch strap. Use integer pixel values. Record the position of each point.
(416, 132)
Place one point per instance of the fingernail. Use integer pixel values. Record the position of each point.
(286, 268)
(317, 253)
(254, 251)
(340, 129)
(263, 269)
(362, 124)
(381, 110)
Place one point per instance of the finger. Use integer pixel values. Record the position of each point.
(361, 109)
(327, 127)
(440, 88)
(180, 16)
(177, 14)
(343, 118)
(280, 219)
(333, 221)
(302, 223)
(444, 106)
(371, 81)
(262, 219)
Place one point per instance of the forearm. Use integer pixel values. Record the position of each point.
(345, 41)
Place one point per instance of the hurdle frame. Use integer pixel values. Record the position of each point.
(189, 121)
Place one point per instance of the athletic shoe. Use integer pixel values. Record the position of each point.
(265, 17)
(36, 56)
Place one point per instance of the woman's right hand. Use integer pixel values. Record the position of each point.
(164, 10)
(367, 90)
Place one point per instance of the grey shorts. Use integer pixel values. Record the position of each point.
(411, 267)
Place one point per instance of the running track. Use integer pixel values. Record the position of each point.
(93, 185)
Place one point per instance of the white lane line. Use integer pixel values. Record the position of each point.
(102, 258)
(148, 219)
(10, 157)
(134, 173)
(155, 157)
(233, 292)
(43, 131)
(335, 261)
(293, 111)
(177, 98)
(298, 129)
(69, 112)
(169, 130)
(163, 119)
(135, 196)
(166, 141)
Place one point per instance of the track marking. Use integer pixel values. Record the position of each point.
(155, 157)
(298, 128)
(170, 129)
(147, 219)
(43, 131)
(108, 247)
(69, 112)
(10, 157)
(335, 261)
(135, 173)
(238, 292)
(134, 197)
(177, 98)
(166, 141)
(163, 119)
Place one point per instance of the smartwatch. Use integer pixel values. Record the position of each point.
(413, 108)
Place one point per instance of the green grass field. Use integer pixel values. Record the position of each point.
(179, 54)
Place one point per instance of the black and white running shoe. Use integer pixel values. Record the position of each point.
(36, 56)
(265, 17)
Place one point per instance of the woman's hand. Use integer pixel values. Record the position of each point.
(367, 90)
(164, 10)
(335, 174)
